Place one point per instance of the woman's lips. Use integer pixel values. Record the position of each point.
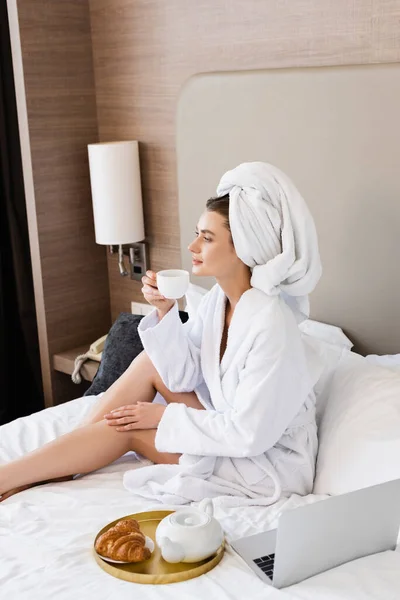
(196, 262)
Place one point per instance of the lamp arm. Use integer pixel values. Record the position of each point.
(121, 264)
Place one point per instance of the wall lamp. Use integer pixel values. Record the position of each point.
(117, 203)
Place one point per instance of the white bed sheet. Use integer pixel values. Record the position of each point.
(46, 536)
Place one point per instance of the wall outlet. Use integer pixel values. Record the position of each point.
(139, 308)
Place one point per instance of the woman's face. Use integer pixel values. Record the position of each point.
(213, 253)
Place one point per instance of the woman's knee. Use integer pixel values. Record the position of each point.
(146, 366)
(149, 370)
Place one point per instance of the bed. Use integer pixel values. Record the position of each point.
(46, 533)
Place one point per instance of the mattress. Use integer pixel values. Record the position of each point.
(47, 532)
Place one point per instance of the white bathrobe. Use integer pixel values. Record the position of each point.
(257, 440)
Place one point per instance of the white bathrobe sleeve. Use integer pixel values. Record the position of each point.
(273, 387)
(178, 363)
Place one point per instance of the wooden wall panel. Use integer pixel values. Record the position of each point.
(144, 51)
(61, 109)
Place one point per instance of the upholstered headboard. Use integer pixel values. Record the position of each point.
(336, 132)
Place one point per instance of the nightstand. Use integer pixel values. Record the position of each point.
(64, 362)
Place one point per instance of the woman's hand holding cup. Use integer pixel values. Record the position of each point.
(152, 294)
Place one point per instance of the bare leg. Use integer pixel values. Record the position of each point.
(139, 383)
(83, 450)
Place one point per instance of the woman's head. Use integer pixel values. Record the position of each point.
(273, 231)
(213, 252)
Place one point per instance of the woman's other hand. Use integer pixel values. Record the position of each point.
(152, 295)
(143, 415)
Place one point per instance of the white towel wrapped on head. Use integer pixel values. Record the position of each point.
(273, 232)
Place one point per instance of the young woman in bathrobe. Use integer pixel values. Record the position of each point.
(239, 420)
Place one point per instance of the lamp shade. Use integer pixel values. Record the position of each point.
(116, 192)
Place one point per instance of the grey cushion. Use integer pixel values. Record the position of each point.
(122, 345)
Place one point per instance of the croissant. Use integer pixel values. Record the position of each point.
(124, 541)
(127, 526)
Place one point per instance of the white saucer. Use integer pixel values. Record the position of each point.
(149, 544)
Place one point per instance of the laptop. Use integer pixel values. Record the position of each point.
(316, 537)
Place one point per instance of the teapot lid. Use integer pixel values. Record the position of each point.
(189, 518)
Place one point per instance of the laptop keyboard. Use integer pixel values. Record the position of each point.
(266, 564)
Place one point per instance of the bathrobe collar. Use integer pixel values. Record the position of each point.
(250, 305)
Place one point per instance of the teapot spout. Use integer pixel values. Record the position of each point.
(171, 551)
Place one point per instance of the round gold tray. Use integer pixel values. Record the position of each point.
(155, 570)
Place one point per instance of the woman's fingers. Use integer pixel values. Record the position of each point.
(150, 282)
(128, 427)
(142, 415)
(120, 413)
(150, 279)
(123, 408)
(151, 275)
(151, 291)
(122, 420)
(117, 415)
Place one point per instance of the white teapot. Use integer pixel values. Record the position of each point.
(189, 534)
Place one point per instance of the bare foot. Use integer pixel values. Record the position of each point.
(31, 485)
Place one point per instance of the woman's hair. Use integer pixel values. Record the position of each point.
(220, 205)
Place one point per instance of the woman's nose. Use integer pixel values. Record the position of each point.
(192, 246)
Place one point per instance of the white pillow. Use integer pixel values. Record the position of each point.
(328, 343)
(390, 361)
(326, 358)
(359, 434)
(327, 333)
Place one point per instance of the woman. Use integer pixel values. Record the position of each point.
(240, 416)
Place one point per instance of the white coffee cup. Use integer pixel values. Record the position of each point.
(173, 283)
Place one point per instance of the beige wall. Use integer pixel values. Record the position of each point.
(144, 51)
(71, 285)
